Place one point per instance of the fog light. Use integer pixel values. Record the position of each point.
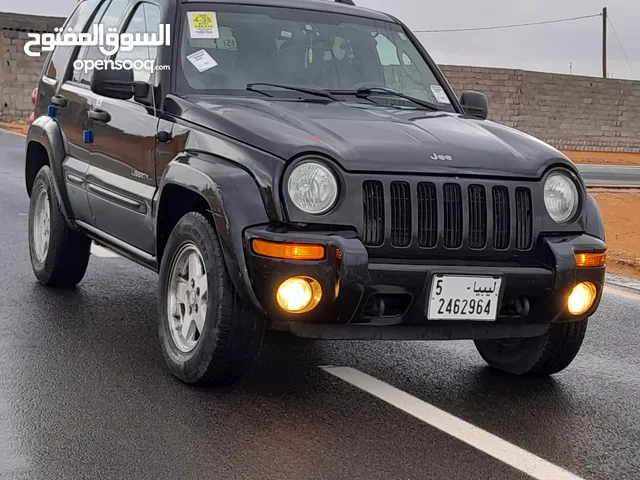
(299, 294)
(581, 298)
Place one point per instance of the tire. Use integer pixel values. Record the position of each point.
(540, 356)
(59, 258)
(231, 334)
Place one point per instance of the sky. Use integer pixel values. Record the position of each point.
(566, 47)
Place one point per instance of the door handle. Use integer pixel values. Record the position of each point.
(59, 101)
(99, 115)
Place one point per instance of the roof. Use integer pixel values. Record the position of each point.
(317, 5)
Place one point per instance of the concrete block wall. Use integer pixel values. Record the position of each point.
(19, 73)
(570, 112)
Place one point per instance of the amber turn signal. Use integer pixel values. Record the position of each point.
(591, 259)
(288, 251)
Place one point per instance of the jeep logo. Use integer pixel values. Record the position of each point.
(444, 158)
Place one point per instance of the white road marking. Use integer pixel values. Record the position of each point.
(484, 441)
(102, 252)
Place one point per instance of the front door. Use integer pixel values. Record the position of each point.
(121, 180)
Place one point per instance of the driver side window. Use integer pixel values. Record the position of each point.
(146, 19)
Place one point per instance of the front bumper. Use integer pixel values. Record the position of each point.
(533, 294)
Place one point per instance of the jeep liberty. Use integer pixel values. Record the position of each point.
(304, 166)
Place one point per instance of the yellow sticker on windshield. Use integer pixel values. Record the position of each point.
(203, 25)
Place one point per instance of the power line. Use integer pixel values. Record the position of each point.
(622, 48)
(495, 27)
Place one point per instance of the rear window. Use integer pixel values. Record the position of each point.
(61, 55)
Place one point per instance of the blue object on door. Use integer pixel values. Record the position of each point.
(51, 111)
(87, 136)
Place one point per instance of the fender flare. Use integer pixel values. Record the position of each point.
(593, 224)
(46, 132)
(235, 202)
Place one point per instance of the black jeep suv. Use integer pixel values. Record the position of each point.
(304, 166)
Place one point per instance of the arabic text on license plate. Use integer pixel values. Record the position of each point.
(455, 297)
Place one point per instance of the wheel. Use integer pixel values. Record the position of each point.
(59, 255)
(545, 355)
(208, 336)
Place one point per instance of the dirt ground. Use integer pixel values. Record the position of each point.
(603, 158)
(15, 127)
(622, 230)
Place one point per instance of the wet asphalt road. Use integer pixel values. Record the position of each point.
(84, 393)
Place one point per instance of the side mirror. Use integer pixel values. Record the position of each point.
(118, 84)
(475, 104)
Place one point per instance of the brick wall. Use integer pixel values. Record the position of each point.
(19, 73)
(568, 111)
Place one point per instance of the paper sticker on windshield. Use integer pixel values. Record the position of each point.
(203, 25)
(202, 60)
(438, 92)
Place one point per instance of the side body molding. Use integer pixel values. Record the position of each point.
(46, 132)
(234, 200)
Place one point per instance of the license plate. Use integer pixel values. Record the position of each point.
(458, 297)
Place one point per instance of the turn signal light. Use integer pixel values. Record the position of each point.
(591, 259)
(288, 251)
(581, 298)
(299, 294)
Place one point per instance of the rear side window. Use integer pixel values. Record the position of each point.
(61, 54)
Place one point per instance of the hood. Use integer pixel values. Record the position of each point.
(366, 138)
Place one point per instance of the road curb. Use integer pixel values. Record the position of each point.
(623, 283)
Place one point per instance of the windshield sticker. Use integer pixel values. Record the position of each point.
(202, 60)
(203, 25)
(286, 34)
(438, 92)
(402, 36)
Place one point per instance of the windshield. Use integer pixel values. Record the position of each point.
(222, 51)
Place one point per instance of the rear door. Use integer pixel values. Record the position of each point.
(121, 180)
(56, 98)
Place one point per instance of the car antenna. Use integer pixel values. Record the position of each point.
(346, 2)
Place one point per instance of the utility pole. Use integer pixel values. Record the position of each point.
(604, 42)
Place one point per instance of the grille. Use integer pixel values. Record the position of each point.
(447, 215)
(400, 214)
(373, 197)
(452, 215)
(427, 215)
(524, 219)
(501, 220)
(477, 217)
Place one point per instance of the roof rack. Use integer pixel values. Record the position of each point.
(346, 2)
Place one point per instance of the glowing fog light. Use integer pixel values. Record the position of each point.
(581, 298)
(299, 294)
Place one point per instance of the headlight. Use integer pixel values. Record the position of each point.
(313, 188)
(560, 197)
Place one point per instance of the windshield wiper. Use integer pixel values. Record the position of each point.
(310, 91)
(365, 92)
